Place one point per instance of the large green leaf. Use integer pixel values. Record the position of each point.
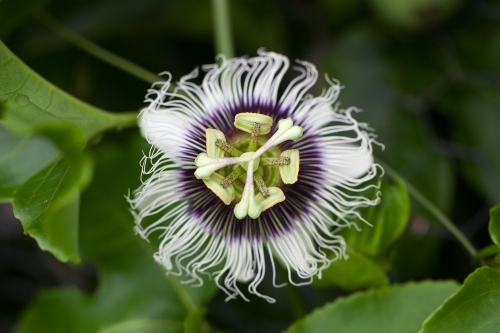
(42, 165)
(134, 293)
(47, 205)
(388, 220)
(396, 309)
(47, 202)
(357, 272)
(474, 308)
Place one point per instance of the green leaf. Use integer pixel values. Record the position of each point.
(17, 78)
(388, 220)
(494, 226)
(357, 272)
(47, 202)
(24, 117)
(134, 293)
(395, 309)
(43, 183)
(21, 156)
(47, 206)
(474, 308)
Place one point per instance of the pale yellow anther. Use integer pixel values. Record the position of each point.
(212, 149)
(256, 161)
(276, 195)
(244, 121)
(214, 184)
(290, 172)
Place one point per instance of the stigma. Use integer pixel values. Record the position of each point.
(248, 178)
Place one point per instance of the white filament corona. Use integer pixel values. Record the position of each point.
(199, 237)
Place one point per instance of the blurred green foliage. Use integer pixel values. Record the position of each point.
(425, 73)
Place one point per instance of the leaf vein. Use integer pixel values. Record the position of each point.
(6, 61)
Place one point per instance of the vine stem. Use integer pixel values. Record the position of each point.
(94, 49)
(222, 28)
(438, 214)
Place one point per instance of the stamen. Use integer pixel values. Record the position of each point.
(268, 161)
(232, 176)
(228, 148)
(252, 146)
(261, 185)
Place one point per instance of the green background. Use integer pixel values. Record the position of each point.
(425, 72)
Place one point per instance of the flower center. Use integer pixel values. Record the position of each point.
(221, 174)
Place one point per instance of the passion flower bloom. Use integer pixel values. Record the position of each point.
(240, 168)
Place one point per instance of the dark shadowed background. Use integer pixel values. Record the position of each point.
(425, 72)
